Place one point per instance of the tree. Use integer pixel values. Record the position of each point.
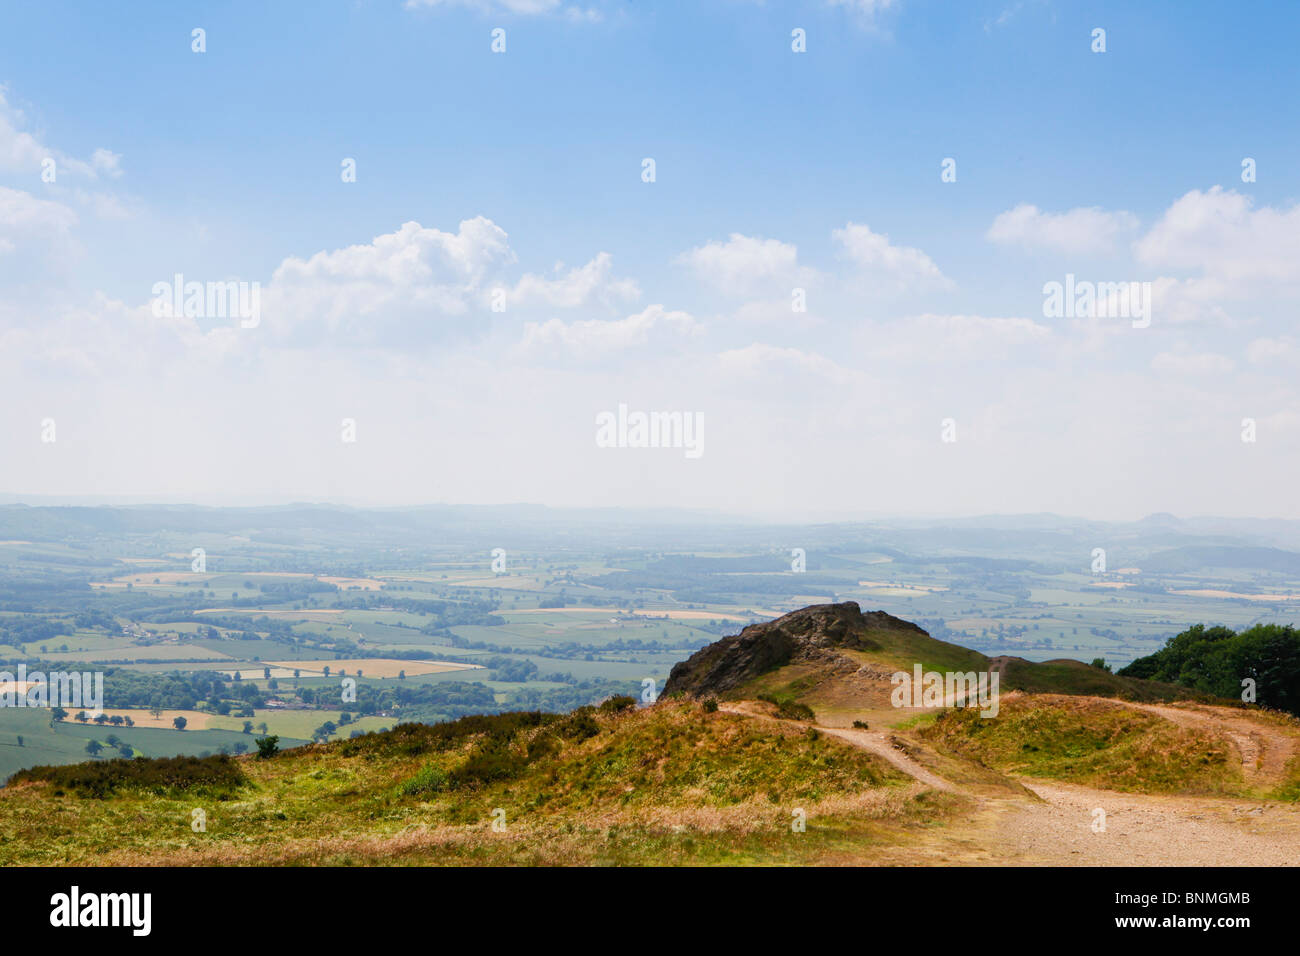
(82, 716)
(266, 673)
(248, 726)
(268, 747)
(130, 722)
(20, 740)
(261, 728)
(93, 747)
(58, 713)
(155, 710)
(179, 722)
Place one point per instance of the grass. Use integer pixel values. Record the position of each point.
(1094, 743)
(667, 784)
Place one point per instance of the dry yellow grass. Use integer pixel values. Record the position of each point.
(194, 719)
(372, 666)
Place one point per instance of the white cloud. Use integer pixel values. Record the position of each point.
(971, 332)
(772, 363)
(576, 287)
(1082, 230)
(22, 152)
(1221, 234)
(25, 219)
(1282, 350)
(400, 288)
(593, 338)
(744, 263)
(875, 256)
(106, 161)
(525, 7)
(866, 11)
(1193, 363)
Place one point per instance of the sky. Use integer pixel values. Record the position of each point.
(821, 232)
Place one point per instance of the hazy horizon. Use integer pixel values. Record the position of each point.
(715, 514)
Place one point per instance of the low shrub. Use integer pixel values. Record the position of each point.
(214, 774)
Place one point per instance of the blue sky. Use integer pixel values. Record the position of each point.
(773, 170)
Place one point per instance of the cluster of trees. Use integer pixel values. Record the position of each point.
(174, 691)
(515, 670)
(21, 630)
(456, 698)
(1217, 660)
(563, 699)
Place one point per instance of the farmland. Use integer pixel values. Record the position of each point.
(322, 623)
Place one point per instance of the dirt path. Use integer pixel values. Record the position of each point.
(1063, 827)
(1142, 830)
(879, 744)
(1264, 750)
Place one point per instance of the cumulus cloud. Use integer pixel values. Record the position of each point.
(744, 263)
(875, 256)
(413, 285)
(1221, 234)
(578, 286)
(1083, 230)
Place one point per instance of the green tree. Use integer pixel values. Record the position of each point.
(179, 722)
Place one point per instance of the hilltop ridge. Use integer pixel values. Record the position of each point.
(839, 654)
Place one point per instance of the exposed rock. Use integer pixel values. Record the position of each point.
(811, 633)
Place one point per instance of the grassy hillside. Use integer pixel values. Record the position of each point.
(671, 784)
(1095, 743)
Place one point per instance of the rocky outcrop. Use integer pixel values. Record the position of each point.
(811, 633)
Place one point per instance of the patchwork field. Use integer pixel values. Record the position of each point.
(374, 667)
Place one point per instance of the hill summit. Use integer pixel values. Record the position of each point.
(838, 656)
(808, 635)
